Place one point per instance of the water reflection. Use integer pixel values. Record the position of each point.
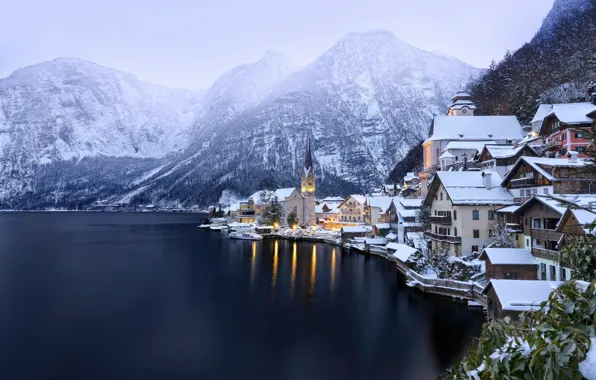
(293, 276)
(313, 271)
(275, 263)
(253, 263)
(333, 253)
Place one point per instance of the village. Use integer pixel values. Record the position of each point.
(482, 220)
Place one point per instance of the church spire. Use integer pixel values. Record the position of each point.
(308, 159)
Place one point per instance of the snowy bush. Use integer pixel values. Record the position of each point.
(500, 237)
(456, 268)
(550, 343)
(418, 263)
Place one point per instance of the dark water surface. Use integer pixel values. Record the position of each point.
(150, 296)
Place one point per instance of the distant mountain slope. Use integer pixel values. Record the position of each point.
(558, 65)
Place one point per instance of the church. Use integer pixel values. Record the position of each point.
(303, 202)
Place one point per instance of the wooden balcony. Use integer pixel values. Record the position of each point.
(553, 144)
(447, 238)
(441, 219)
(521, 182)
(546, 235)
(544, 253)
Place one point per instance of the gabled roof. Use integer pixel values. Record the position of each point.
(538, 162)
(468, 145)
(381, 202)
(522, 295)
(508, 256)
(282, 194)
(333, 199)
(541, 112)
(356, 229)
(467, 188)
(506, 151)
(572, 113)
(447, 155)
(475, 128)
(402, 251)
(585, 218)
(558, 202)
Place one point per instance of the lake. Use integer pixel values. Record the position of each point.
(151, 296)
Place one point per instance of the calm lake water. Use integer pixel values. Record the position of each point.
(151, 296)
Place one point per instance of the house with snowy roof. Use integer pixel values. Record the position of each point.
(509, 298)
(541, 112)
(405, 213)
(509, 264)
(543, 227)
(531, 176)
(502, 157)
(469, 129)
(378, 210)
(564, 128)
(463, 206)
(353, 209)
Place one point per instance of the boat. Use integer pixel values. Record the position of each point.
(245, 236)
(216, 227)
(204, 226)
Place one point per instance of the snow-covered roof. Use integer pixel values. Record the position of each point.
(447, 155)
(410, 176)
(381, 202)
(235, 206)
(389, 187)
(538, 162)
(584, 218)
(407, 202)
(383, 226)
(541, 112)
(417, 238)
(476, 128)
(282, 194)
(402, 251)
(468, 145)
(468, 188)
(356, 229)
(503, 151)
(572, 113)
(509, 256)
(333, 199)
(358, 198)
(522, 295)
(508, 209)
(412, 224)
(375, 241)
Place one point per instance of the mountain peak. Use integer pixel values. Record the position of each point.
(273, 54)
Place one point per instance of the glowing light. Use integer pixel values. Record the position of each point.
(333, 269)
(253, 262)
(276, 225)
(293, 276)
(275, 262)
(313, 270)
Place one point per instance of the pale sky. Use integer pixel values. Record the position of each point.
(189, 43)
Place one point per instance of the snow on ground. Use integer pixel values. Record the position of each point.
(588, 366)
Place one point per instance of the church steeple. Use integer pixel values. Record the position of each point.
(307, 160)
(307, 180)
(461, 105)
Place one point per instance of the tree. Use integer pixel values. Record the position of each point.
(424, 217)
(292, 219)
(272, 212)
(500, 236)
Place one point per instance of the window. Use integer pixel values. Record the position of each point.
(528, 244)
(436, 197)
(476, 234)
(436, 213)
(553, 273)
(454, 214)
(454, 231)
(491, 215)
(579, 135)
(580, 149)
(534, 191)
(543, 271)
(510, 276)
(563, 137)
(545, 191)
(474, 248)
(526, 221)
(563, 274)
(475, 215)
(441, 195)
(435, 229)
(536, 223)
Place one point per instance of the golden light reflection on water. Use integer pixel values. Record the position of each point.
(313, 270)
(275, 263)
(253, 262)
(333, 269)
(293, 276)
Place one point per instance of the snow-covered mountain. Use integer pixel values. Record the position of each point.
(364, 103)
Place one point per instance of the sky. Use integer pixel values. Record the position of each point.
(190, 43)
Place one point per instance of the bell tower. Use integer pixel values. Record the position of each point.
(307, 180)
(461, 105)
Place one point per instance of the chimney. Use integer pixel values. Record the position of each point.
(486, 179)
(573, 156)
(515, 145)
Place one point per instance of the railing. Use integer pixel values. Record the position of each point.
(553, 144)
(546, 234)
(441, 219)
(461, 285)
(451, 239)
(519, 182)
(520, 200)
(544, 253)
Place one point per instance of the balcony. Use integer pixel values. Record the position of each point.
(441, 219)
(521, 182)
(520, 200)
(553, 144)
(439, 237)
(544, 253)
(546, 235)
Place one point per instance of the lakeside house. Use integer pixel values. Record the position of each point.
(509, 264)
(509, 298)
(463, 207)
(502, 157)
(378, 209)
(353, 209)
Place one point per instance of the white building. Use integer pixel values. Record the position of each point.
(463, 208)
(353, 209)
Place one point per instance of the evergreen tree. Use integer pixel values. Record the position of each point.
(292, 219)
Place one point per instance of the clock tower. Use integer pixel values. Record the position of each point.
(307, 180)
